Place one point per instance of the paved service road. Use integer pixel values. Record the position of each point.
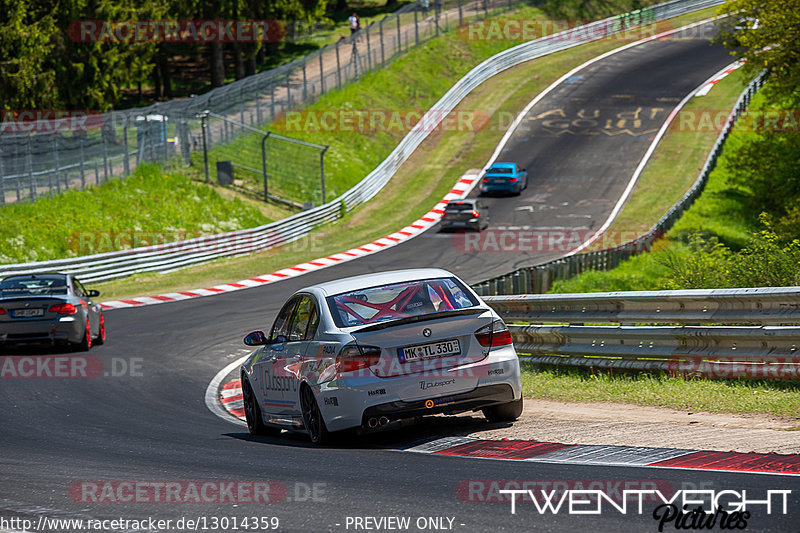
(65, 442)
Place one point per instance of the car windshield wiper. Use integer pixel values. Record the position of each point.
(420, 318)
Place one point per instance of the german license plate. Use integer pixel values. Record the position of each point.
(27, 313)
(426, 351)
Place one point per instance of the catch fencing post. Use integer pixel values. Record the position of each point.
(288, 90)
(83, 171)
(125, 154)
(2, 181)
(29, 160)
(105, 156)
(460, 14)
(322, 171)
(354, 59)
(305, 86)
(264, 164)
(369, 49)
(272, 98)
(55, 160)
(416, 28)
(321, 72)
(380, 31)
(338, 66)
(399, 44)
(203, 127)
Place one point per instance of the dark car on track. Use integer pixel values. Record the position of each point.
(49, 308)
(471, 214)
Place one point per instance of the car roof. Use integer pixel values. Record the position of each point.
(503, 165)
(469, 201)
(44, 275)
(378, 278)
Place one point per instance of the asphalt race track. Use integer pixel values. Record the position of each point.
(143, 419)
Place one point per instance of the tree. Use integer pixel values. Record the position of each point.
(767, 34)
(25, 45)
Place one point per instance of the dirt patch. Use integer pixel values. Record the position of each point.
(632, 425)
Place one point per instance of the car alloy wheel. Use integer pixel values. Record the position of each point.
(312, 416)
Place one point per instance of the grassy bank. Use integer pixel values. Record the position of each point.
(733, 396)
(149, 207)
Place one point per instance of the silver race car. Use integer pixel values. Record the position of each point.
(52, 308)
(363, 351)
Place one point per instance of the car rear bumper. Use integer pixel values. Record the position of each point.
(63, 329)
(469, 401)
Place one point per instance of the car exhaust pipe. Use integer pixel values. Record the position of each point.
(372, 422)
(383, 421)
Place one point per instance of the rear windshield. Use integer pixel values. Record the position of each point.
(33, 286)
(500, 170)
(461, 206)
(398, 300)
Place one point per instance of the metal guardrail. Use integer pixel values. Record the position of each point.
(764, 344)
(113, 265)
(540, 278)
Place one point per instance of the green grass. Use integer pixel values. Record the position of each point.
(110, 216)
(774, 398)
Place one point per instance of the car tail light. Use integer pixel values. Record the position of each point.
(63, 309)
(2, 311)
(352, 357)
(475, 214)
(495, 334)
(513, 180)
(486, 180)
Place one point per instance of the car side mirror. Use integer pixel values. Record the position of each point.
(94, 293)
(255, 338)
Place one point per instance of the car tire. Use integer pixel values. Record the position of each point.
(312, 416)
(505, 412)
(101, 335)
(252, 412)
(86, 344)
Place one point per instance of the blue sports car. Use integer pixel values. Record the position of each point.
(504, 178)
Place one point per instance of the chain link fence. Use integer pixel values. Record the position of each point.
(44, 157)
(268, 165)
(539, 279)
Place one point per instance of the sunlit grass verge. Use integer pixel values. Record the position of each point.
(421, 182)
(776, 398)
(150, 207)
